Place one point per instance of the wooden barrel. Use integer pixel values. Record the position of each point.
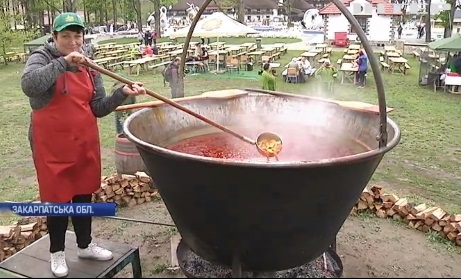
(127, 158)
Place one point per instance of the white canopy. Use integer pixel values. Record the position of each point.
(214, 26)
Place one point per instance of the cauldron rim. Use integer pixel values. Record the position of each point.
(285, 164)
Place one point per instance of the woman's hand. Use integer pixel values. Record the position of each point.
(75, 58)
(134, 90)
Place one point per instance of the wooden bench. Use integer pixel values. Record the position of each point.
(415, 54)
(276, 55)
(339, 61)
(329, 50)
(384, 65)
(407, 66)
(159, 64)
(326, 55)
(115, 65)
(34, 260)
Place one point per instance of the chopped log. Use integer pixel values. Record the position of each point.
(417, 209)
(367, 196)
(125, 190)
(425, 213)
(455, 218)
(451, 236)
(381, 213)
(438, 214)
(376, 190)
(389, 198)
(362, 205)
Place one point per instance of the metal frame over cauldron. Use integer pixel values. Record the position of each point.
(382, 136)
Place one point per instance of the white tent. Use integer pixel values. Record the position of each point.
(216, 25)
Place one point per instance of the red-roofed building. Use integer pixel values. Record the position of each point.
(378, 19)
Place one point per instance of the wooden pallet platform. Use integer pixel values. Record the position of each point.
(34, 261)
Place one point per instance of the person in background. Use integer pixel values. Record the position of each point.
(155, 49)
(89, 49)
(362, 62)
(141, 37)
(155, 37)
(267, 78)
(171, 75)
(327, 75)
(198, 52)
(294, 63)
(306, 66)
(135, 52)
(148, 51)
(66, 99)
(120, 116)
(148, 38)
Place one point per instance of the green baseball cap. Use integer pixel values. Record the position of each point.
(67, 19)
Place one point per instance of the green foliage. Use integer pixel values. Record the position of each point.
(10, 37)
(444, 17)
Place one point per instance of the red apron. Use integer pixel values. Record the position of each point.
(65, 137)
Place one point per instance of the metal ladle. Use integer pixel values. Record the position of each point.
(259, 141)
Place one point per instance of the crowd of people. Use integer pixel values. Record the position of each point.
(327, 73)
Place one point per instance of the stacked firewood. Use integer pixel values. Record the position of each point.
(126, 189)
(418, 216)
(16, 237)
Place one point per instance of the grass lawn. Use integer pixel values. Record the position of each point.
(425, 166)
(236, 41)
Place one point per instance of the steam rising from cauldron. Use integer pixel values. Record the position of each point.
(308, 133)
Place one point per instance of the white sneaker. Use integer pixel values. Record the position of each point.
(94, 252)
(58, 264)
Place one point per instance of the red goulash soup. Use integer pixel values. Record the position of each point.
(297, 148)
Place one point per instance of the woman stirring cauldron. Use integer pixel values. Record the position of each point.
(66, 99)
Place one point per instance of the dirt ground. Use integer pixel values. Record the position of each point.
(368, 246)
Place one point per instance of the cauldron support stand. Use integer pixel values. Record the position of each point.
(236, 266)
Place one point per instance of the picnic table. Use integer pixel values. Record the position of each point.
(309, 55)
(355, 47)
(390, 49)
(398, 64)
(322, 47)
(107, 60)
(348, 72)
(352, 51)
(138, 64)
(348, 58)
(452, 82)
(113, 52)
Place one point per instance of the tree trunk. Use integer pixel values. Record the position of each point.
(114, 13)
(428, 22)
(70, 6)
(288, 12)
(449, 29)
(137, 8)
(241, 12)
(101, 18)
(186, 46)
(157, 17)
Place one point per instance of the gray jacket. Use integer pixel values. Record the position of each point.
(40, 74)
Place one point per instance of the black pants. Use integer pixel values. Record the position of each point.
(361, 78)
(57, 227)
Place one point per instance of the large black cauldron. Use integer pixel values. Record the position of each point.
(267, 216)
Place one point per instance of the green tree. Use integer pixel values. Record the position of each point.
(10, 37)
(447, 17)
